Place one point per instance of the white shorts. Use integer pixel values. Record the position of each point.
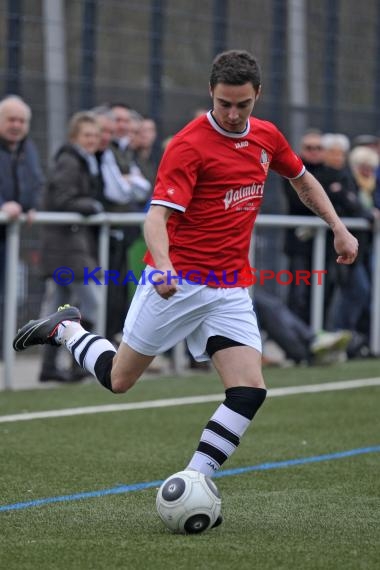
(153, 325)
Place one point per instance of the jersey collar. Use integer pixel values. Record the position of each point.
(225, 133)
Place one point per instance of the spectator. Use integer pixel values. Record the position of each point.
(120, 193)
(335, 147)
(299, 241)
(134, 130)
(120, 145)
(352, 286)
(343, 191)
(372, 142)
(293, 336)
(73, 186)
(21, 178)
(146, 154)
(364, 162)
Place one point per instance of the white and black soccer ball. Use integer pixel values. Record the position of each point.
(188, 502)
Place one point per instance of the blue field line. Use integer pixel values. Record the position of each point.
(120, 489)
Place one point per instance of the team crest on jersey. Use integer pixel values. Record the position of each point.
(170, 191)
(264, 160)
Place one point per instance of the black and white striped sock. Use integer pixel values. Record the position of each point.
(92, 352)
(223, 432)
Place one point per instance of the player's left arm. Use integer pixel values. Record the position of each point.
(312, 194)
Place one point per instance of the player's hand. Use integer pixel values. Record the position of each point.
(167, 282)
(346, 246)
(166, 291)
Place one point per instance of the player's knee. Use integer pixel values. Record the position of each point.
(245, 400)
(121, 383)
(258, 381)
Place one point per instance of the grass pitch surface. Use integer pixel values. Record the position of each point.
(318, 515)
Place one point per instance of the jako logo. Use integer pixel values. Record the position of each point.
(241, 144)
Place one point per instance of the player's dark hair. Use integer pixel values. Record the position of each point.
(235, 67)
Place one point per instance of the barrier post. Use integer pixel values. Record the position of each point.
(10, 299)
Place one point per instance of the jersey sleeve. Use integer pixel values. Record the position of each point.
(177, 175)
(285, 161)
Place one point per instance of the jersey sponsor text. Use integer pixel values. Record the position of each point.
(235, 197)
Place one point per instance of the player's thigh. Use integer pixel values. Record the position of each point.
(154, 325)
(127, 367)
(239, 366)
(231, 316)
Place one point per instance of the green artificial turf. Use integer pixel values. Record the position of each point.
(320, 515)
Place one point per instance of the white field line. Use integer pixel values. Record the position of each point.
(288, 391)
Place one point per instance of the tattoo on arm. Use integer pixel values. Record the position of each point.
(319, 205)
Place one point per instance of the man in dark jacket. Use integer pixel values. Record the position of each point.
(21, 176)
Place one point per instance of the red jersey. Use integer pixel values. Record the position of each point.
(214, 180)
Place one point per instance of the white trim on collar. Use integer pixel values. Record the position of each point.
(222, 131)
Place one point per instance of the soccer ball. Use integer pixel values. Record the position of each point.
(188, 502)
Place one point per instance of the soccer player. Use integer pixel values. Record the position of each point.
(208, 192)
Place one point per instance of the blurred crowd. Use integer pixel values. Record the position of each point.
(350, 174)
(108, 164)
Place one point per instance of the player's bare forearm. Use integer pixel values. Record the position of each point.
(312, 194)
(157, 240)
(156, 235)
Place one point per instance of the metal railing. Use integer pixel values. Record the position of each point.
(106, 221)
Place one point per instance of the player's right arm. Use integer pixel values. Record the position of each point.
(157, 241)
(314, 197)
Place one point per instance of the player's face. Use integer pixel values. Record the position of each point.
(233, 104)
